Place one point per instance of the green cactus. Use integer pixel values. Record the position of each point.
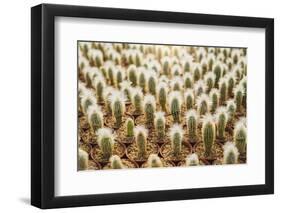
(188, 80)
(231, 108)
(202, 103)
(130, 127)
(142, 81)
(176, 137)
(240, 137)
(110, 73)
(117, 100)
(83, 160)
(221, 119)
(105, 142)
(223, 90)
(192, 160)
(95, 118)
(230, 154)
(208, 134)
(196, 73)
(214, 96)
(218, 74)
(137, 100)
(141, 140)
(116, 162)
(119, 78)
(159, 123)
(149, 109)
(117, 112)
(132, 75)
(151, 84)
(210, 81)
(230, 84)
(189, 99)
(191, 122)
(175, 106)
(238, 97)
(162, 96)
(154, 161)
(100, 86)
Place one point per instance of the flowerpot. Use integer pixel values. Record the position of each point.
(216, 152)
(165, 163)
(167, 152)
(202, 162)
(129, 164)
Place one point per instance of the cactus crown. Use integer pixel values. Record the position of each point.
(105, 133)
(117, 97)
(200, 87)
(230, 153)
(188, 80)
(192, 160)
(176, 83)
(126, 89)
(116, 162)
(83, 160)
(95, 117)
(175, 96)
(86, 101)
(203, 104)
(154, 161)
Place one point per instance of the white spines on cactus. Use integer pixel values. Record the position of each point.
(176, 70)
(83, 160)
(191, 117)
(116, 162)
(160, 124)
(126, 88)
(137, 99)
(240, 135)
(199, 87)
(238, 96)
(95, 117)
(176, 83)
(90, 73)
(86, 101)
(187, 63)
(118, 76)
(211, 60)
(99, 87)
(175, 103)
(162, 93)
(142, 78)
(176, 137)
(221, 121)
(209, 79)
(97, 57)
(188, 98)
(235, 55)
(230, 153)
(149, 106)
(192, 160)
(105, 139)
(141, 133)
(132, 74)
(203, 104)
(154, 161)
(151, 83)
(201, 53)
(217, 70)
(188, 80)
(117, 101)
(196, 71)
(208, 133)
(231, 108)
(231, 82)
(223, 85)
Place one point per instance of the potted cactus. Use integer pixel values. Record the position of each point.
(199, 87)
(231, 81)
(208, 134)
(189, 99)
(105, 139)
(117, 100)
(162, 91)
(221, 121)
(209, 79)
(132, 75)
(175, 103)
(214, 99)
(154, 161)
(218, 72)
(223, 90)
(160, 125)
(230, 153)
(149, 106)
(240, 137)
(137, 100)
(142, 78)
(95, 117)
(196, 72)
(176, 83)
(126, 88)
(188, 80)
(166, 64)
(231, 109)
(87, 100)
(203, 104)
(192, 160)
(192, 123)
(118, 76)
(151, 82)
(238, 97)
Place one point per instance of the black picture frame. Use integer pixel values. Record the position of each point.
(43, 105)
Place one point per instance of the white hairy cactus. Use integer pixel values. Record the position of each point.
(154, 161)
(192, 160)
(230, 153)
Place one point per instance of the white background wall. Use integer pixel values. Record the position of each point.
(15, 105)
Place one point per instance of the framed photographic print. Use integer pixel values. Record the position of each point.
(140, 106)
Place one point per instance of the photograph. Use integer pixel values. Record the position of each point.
(160, 105)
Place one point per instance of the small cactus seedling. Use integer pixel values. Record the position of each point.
(149, 106)
(154, 161)
(105, 139)
(187, 64)
(199, 87)
(231, 108)
(221, 121)
(223, 90)
(176, 83)
(138, 58)
(240, 136)
(189, 99)
(142, 79)
(238, 97)
(176, 137)
(140, 133)
(230, 153)
(196, 71)
(130, 127)
(126, 89)
(117, 100)
(111, 73)
(209, 79)
(231, 81)
(137, 99)
(175, 102)
(83, 160)
(218, 73)
(118, 77)
(192, 160)
(99, 87)
(159, 124)
(106, 97)
(116, 162)
(166, 64)
(86, 101)
(151, 82)
(191, 123)
(95, 117)
(203, 104)
(162, 91)
(132, 75)
(208, 134)
(214, 96)
(188, 80)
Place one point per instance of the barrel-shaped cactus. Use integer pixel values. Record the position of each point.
(154, 161)
(105, 139)
(209, 79)
(208, 134)
(240, 136)
(132, 74)
(149, 106)
(214, 98)
(175, 103)
(176, 138)
(230, 153)
(83, 160)
(162, 92)
(203, 104)
(137, 99)
(95, 117)
(159, 124)
(223, 90)
(116, 162)
(130, 125)
(189, 99)
(117, 100)
(140, 133)
(221, 121)
(238, 97)
(151, 82)
(188, 80)
(192, 123)
(192, 160)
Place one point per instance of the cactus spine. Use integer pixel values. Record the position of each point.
(176, 137)
(116, 162)
(117, 100)
(192, 160)
(106, 142)
(223, 90)
(83, 160)
(230, 153)
(149, 108)
(238, 97)
(188, 80)
(162, 95)
(95, 117)
(191, 122)
(130, 127)
(159, 123)
(214, 96)
(208, 134)
(240, 136)
(175, 102)
(221, 121)
(154, 161)
(203, 104)
(141, 140)
(132, 75)
(189, 99)
(137, 100)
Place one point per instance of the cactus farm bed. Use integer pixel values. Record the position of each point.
(144, 106)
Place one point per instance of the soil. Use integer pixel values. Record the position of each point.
(164, 162)
(126, 162)
(132, 152)
(166, 152)
(202, 162)
(93, 165)
(217, 152)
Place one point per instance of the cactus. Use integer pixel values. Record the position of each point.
(99, 87)
(83, 160)
(231, 108)
(221, 121)
(189, 99)
(175, 102)
(199, 87)
(223, 90)
(208, 134)
(95, 117)
(117, 100)
(105, 140)
(162, 95)
(116, 162)
(191, 123)
(188, 80)
(203, 104)
(151, 82)
(176, 70)
(176, 83)
(211, 61)
(86, 101)
(238, 97)
(111, 73)
(209, 79)
(154, 161)
(214, 96)
(130, 127)
(138, 58)
(137, 99)
(176, 137)
(159, 124)
(149, 106)
(166, 63)
(126, 89)
(240, 136)
(218, 73)
(230, 83)
(97, 57)
(141, 140)
(235, 54)
(196, 71)
(118, 78)
(132, 75)
(106, 96)
(192, 160)
(187, 64)
(230, 153)
(142, 79)
(243, 83)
